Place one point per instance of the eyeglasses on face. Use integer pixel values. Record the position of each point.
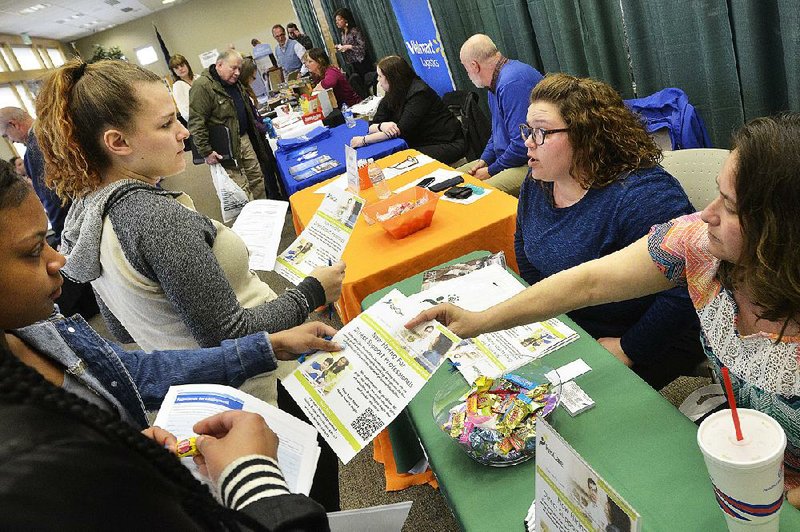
(538, 133)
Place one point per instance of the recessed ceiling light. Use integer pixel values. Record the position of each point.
(167, 1)
(33, 9)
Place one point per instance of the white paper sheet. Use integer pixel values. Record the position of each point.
(494, 353)
(570, 495)
(260, 225)
(406, 165)
(384, 518)
(298, 451)
(338, 183)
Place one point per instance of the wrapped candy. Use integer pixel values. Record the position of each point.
(495, 421)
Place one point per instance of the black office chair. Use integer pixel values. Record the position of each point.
(371, 83)
(476, 127)
(357, 82)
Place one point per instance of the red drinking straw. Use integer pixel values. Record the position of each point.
(726, 378)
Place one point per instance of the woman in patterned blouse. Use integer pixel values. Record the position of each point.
(354, 43)
(740, 261)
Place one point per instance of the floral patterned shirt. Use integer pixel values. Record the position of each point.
(764, 373)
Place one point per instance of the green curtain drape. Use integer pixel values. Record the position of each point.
(766, 37)
(376, 19)
(583, 38)
(687, 44)
(308, 21)
(507, 22)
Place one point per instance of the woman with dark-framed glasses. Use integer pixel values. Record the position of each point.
(595, 186)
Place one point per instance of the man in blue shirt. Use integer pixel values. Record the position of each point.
(503, 163)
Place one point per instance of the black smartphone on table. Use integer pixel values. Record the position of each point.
(444, 185)
(459, 192)
(425, 182)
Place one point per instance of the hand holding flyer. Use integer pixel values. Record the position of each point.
(351, 395)
(323, 241)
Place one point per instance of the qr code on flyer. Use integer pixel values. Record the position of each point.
(366, 424)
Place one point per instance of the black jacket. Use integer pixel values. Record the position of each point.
(423, 119)
(58, 474)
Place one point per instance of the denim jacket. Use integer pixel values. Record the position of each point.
(135, 381)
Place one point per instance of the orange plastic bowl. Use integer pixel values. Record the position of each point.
(409, 222)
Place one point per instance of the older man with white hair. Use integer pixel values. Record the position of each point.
(503, 163)
(217, 98)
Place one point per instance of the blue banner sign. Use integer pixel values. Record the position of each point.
(422, 42)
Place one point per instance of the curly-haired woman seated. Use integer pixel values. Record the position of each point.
(740, 262)
(595, 186)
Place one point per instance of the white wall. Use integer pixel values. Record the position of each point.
(196, 26)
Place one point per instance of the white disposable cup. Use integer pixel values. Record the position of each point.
(748, 474)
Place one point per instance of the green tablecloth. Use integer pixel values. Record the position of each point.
(633, 437)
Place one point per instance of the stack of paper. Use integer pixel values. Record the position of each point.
(298, 450)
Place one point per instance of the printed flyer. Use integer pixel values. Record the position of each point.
(570, 495)
(323, 241)
(353, 394)
(495, 353)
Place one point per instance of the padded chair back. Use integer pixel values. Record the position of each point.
(477, 128)
(357, 82)
(696, 170)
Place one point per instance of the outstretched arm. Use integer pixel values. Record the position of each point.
(623, 275)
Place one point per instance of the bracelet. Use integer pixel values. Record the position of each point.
(363, 141)
(379, 126)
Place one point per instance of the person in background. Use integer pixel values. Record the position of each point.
(353, 46)
(302, 38)
(289, 53)
(739, 260)
(17, 126)
(596, 187)
(413, 111)
(327, 76)
(19, 166)
(217, 98)
(510, 82)
(183, 77)
(248, 76)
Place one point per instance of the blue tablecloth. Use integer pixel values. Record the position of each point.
(334, 146)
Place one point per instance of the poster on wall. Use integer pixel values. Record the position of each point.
(423, 43)
(208, 58)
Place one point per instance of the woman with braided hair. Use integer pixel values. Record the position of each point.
(71, 456)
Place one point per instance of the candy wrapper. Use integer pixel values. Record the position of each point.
(494, 422)
(186, 447)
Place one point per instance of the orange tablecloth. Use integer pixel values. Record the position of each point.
(376, 260)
